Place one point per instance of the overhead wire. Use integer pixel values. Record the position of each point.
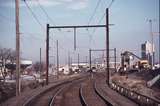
(94, 30)
(44, 11)
(93, 14)
(22, 32)
(105, 13)
(50, 19)
(7, 19)
(35, 17)
(90, 19)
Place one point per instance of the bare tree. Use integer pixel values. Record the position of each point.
(12, 60)
(37, 66)
(6, 56)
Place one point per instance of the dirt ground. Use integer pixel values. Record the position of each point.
(137, 84)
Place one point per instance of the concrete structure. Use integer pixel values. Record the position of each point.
(146, 52)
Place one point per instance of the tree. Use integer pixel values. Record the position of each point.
(12, 61)
(7, 56)
(39, 66)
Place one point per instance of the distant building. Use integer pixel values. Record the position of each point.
(146, 51)
(143, 52)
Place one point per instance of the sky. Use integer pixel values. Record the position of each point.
(130, 29)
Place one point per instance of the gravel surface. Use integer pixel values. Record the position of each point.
(90, 95)
(69, 95)
(115, 97)
(137, 82)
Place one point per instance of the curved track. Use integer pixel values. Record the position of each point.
(78, 92)
(114, 97)
(90, 95)
(68, 95)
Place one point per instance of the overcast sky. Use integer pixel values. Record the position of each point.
(130, 30)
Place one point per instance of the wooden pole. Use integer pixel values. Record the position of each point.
(18, 85)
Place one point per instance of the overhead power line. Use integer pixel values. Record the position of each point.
(21, 27)
(44, 11)
(7, 18)
(35, 17)
(50, 19)
(93, 14)
(109, 6)
(94, 30)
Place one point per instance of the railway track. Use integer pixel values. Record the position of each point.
(44, 98)
(84, 91)
(115, 98)
(101, 96)
(90, 95)
(132, 96)
(79, 92)
(68, 95)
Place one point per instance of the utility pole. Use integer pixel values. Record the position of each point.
(90, 61)
(103, 58)
(115, 59)
(107, 45)
(74, 38)
(78, 60)
(159, 48)
(86, 60)
(53, 57)
(71, 62)
(151, 32)
(40, 68)
(47, 53)
(18, 83)
(68, 59)
(57, 60)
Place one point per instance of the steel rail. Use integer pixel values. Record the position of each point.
(101, 96)
(51, 103)
(83, 101)
(33, 97)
